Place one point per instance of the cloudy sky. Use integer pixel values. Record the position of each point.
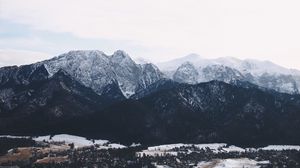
(158, 30)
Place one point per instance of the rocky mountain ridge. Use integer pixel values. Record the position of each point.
(195, 69)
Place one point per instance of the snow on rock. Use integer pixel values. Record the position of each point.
(186, 73)
(96, 70)
(175, 63)
(91, 67)
(141, 60)
(262, 73)
(255, 67)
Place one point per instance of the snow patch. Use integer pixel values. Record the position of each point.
(232, 163)
(112, 146)
(281, 147)
(76, 140)
(233, 148)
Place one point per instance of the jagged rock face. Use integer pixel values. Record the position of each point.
(297, 80)
(96, 70)
(221, 73)
(262, 73)
(186, 73)
(150, 74)
(45, 101)
(280, 83)
(92, 68)
(14, 80)
(127, 72)
(60, 91)
(21, 75)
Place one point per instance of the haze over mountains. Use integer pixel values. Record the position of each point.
(194, 69)
(191, 99)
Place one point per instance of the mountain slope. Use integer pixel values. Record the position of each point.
(31, 107)
(202, 113)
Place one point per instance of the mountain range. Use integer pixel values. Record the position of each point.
(190, 100)
(195, 69)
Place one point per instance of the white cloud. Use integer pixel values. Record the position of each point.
(260, 29)
(10, 57)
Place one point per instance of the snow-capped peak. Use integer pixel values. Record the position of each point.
(120, 54)
(192, 56)
(174, 64)
(121, 57)
(262, 73)
(96, 70)
(254, 67)
(141, 60)
(75, 54)
(186, 73)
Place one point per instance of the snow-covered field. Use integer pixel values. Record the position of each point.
(162, 150)
(233, 148)
(154, 150)
(76, 140)
(169, 149)
(227, 163)
(281, 147)
(232, 163)
(213, 146)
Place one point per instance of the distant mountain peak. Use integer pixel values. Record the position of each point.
(141, 60)
(84, 53)
(262, 73)
(192, 56)
(120, 54)
(186, 73)
(121, 57)
(187, 63)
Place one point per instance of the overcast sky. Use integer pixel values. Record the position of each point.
(159, 30)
